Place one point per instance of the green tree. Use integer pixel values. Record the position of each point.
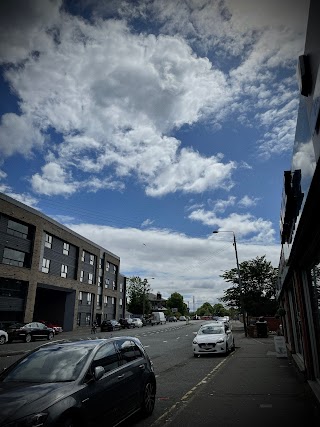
(258, 279)
(220, 310)
(137, 292)
(176, 301)
(205, 310)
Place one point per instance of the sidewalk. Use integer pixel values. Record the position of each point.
(251, 388)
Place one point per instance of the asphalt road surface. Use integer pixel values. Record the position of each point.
(170, 348)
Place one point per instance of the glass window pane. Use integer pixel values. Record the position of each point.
(106, 357)
(17, 229)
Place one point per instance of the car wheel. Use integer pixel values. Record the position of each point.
(28, 338)
(149, 398)
(2, 340)
(50, 336)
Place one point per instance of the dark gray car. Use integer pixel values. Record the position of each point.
(78, 383)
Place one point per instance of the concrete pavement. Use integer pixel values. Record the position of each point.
(251, 387)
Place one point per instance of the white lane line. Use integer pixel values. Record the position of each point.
(188, 394)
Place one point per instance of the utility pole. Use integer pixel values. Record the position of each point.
(239, 279)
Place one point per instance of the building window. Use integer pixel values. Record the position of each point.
(48, 241)
(64, 270)
(121, 287)
(91, 259)
(114, 285)
(107, 283)
(99, 301)
(81, 275)
(99, 291)
(88, 319)
(112, 300)
(99, 280)
(115, 269)
(107, 266)
(79, 319)
(120, 302)
(101, 263)
(45, 265)
(90, 278)
(16, 229)
(88, 299)
(105, 298)
(14, 257)
(83, 256)
(80, 297)
(66, 248)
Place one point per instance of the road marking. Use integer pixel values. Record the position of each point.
(165, 341)
(188, 394)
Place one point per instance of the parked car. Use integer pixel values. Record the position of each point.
(110, 325)
(73, 383)
(225, 320)
(137, 322)
(29, 332)
(172, 319)
(127, 323)
(215, 337)
(3, 337)
(183, 318)
(57, 329)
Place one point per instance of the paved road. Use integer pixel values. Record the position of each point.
(170, 349)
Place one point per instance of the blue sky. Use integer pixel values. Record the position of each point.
(146, 125)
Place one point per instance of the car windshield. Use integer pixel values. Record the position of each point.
(58, 364)
(211, 330)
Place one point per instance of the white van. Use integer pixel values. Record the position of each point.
(158, 318)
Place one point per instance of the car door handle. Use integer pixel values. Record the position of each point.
(120, 377)
(142, 367)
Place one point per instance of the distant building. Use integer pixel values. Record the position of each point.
(157, 302)
(49, 272)
(299, 266)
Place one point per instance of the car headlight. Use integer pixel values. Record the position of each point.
(194, 341)
(221, 340)
(34, 420)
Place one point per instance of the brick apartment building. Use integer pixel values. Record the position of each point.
(49, 272)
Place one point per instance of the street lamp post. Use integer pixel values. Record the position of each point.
(239, 276)
(145, 282)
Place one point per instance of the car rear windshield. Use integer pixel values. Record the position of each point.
(58, 364)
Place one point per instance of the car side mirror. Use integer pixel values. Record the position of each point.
(98, 372)
(228, 331)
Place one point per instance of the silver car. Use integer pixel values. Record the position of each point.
(137, 322)
(215, 337)
(3, 337)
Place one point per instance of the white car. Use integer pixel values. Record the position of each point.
(137, 322)
(214, 337)
(3, 337)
